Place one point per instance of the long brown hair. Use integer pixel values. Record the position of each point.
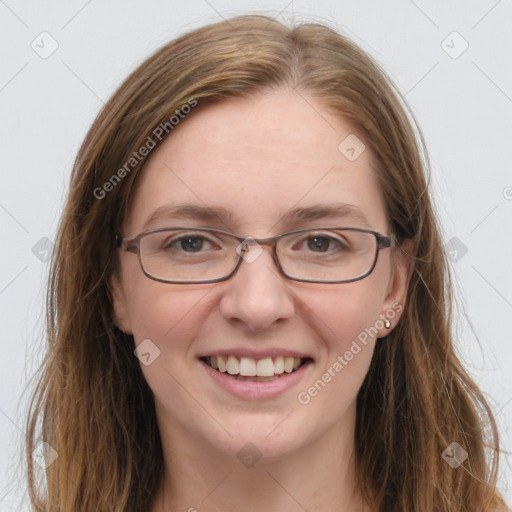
(95, 408)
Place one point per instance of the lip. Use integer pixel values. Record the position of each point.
(248, 390)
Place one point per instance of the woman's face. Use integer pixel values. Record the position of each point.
(259, 159)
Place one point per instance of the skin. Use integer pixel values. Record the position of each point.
(258, 157)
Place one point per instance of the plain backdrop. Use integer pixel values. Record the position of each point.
(451, 60)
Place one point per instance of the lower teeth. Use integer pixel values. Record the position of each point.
(255, 379)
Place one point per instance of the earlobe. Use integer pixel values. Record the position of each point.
(120, 315)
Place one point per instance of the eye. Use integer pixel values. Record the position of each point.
(320, 243)
(189, 242)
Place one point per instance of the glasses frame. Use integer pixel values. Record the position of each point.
(132, 245)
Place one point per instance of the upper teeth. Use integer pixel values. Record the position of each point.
(248, 367)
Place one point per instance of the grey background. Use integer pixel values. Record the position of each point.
(463, 106)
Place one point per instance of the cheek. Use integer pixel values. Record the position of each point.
(165, 317)
(342, 313)
(344, 319)
(354, 313)
(154, 309)
(166, 322)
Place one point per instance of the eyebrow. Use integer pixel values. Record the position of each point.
(325, 211)
(219, 214)
(190, 211)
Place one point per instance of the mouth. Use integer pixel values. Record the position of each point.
(248, 369)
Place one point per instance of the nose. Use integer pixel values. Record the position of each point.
(257, 296)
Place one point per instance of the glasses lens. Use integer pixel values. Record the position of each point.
(188, 255)
(200, 255)
(327, 255)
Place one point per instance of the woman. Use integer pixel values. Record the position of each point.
(249, 305)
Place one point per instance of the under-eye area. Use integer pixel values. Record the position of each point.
(256, 370)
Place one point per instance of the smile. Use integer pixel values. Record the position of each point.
(266, 369)
(256, 378)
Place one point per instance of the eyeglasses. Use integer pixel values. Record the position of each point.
(203, 255)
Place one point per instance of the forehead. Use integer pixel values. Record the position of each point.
(256, 159)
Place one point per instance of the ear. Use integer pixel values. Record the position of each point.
(121, 318)
(396, 294)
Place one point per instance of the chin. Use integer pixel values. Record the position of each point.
(267, 439)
